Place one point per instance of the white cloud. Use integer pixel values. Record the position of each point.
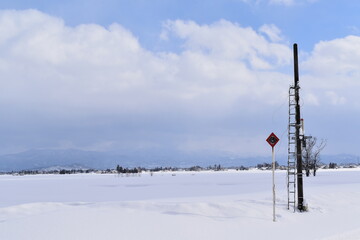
(91, 67)
(226, 40)
(272, 31)
(332, 70)
(91, 72)
(46, 60)
(337, 57)
(105, 79)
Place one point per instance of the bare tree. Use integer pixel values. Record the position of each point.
(316, 155)
(307, 154)
(311, 154)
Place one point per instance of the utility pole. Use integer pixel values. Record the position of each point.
(298, 137)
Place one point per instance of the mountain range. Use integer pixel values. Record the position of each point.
(38, 159)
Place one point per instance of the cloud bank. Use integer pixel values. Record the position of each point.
(95, 87)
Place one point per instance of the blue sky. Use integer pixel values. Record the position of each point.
(194, 76)
(306, 22)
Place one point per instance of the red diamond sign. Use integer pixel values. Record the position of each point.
(272, 140)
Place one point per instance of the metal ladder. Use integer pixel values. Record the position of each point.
(291, 168)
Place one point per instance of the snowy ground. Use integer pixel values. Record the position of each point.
(201, 205)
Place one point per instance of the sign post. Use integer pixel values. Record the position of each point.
(273, 140)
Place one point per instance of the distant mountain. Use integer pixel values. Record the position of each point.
(50, 158)
(38, 159)
(72, 158)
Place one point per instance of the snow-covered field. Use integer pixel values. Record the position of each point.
(201, 205)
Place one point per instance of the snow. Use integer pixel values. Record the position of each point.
(184, 205)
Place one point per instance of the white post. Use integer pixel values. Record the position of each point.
(272, 140)
(273, 180)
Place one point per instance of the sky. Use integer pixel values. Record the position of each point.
(192, 76)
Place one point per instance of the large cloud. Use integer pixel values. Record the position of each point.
(94, 66)
(332, 71)
(330, 81)
(94, 87)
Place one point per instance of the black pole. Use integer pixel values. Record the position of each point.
(300, 190)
